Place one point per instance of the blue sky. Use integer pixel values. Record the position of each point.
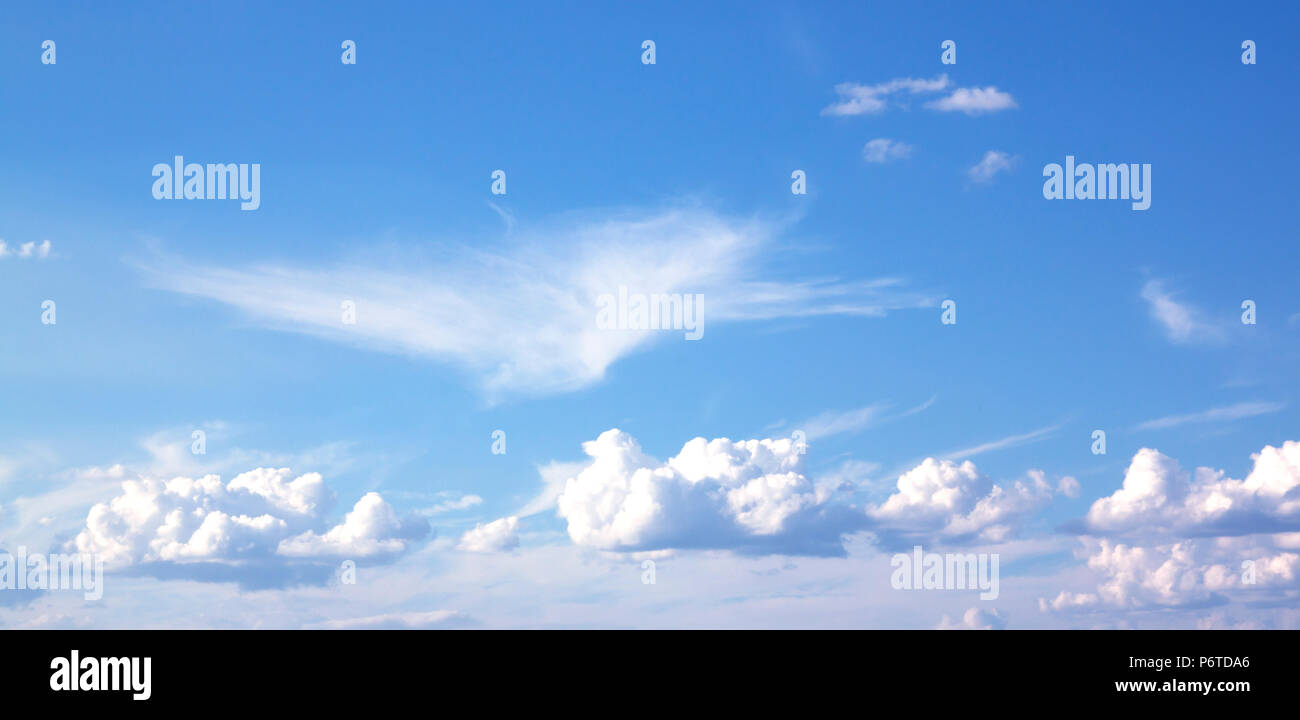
(475, 311)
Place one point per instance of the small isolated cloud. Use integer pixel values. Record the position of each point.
(1221, 414)
(27, 250)
(994, 162)
(856, 99)
(975, 619)
(882, 150)
(974, 101)
(496, 536)
(1182, 323)
(262, 519)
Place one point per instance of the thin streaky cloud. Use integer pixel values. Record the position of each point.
(1222, 414)
(1006, 442)
(834, 422)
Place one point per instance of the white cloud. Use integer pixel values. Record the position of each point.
(523, 318)
(1006, 442)
(496, 536)
(453, 503)
(259, 515)
(1159, 497)
(1069, 487)
(975, 619)
(856, 99)
(994, 162)
(432, 620)
(747, 495)
(941, 500)
(883, 150)
(1221, 414)
(1182, 322)
(835, 422)
(974, 101)
(1170, 538)
(27, 250)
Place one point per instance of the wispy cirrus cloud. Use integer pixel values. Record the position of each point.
(1219, 414)
(523, 318)
(1182, 322)
(1006, 442)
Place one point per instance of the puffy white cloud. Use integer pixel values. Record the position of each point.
(975, 619)
(993, 162)
(259, 515)
(496, 536)
(942, 500)
(974, 101)
(1159, 497)
(748, 495)
(1172, 538)
(1186, 573)
(753, 496)
(883, 150)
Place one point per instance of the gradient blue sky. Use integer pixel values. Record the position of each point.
(382, 168)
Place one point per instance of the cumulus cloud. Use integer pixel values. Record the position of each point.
(1173, 538)
(942, 500)
(994, 162)
(539, 295)
(749, 496)
(262, 517)
(496, 536)
(974, 101)
(1159, 497)
(27, 250)
(753, 496)
(1183, 323)
(883, 150)
(1188, 573)
(975, 619)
